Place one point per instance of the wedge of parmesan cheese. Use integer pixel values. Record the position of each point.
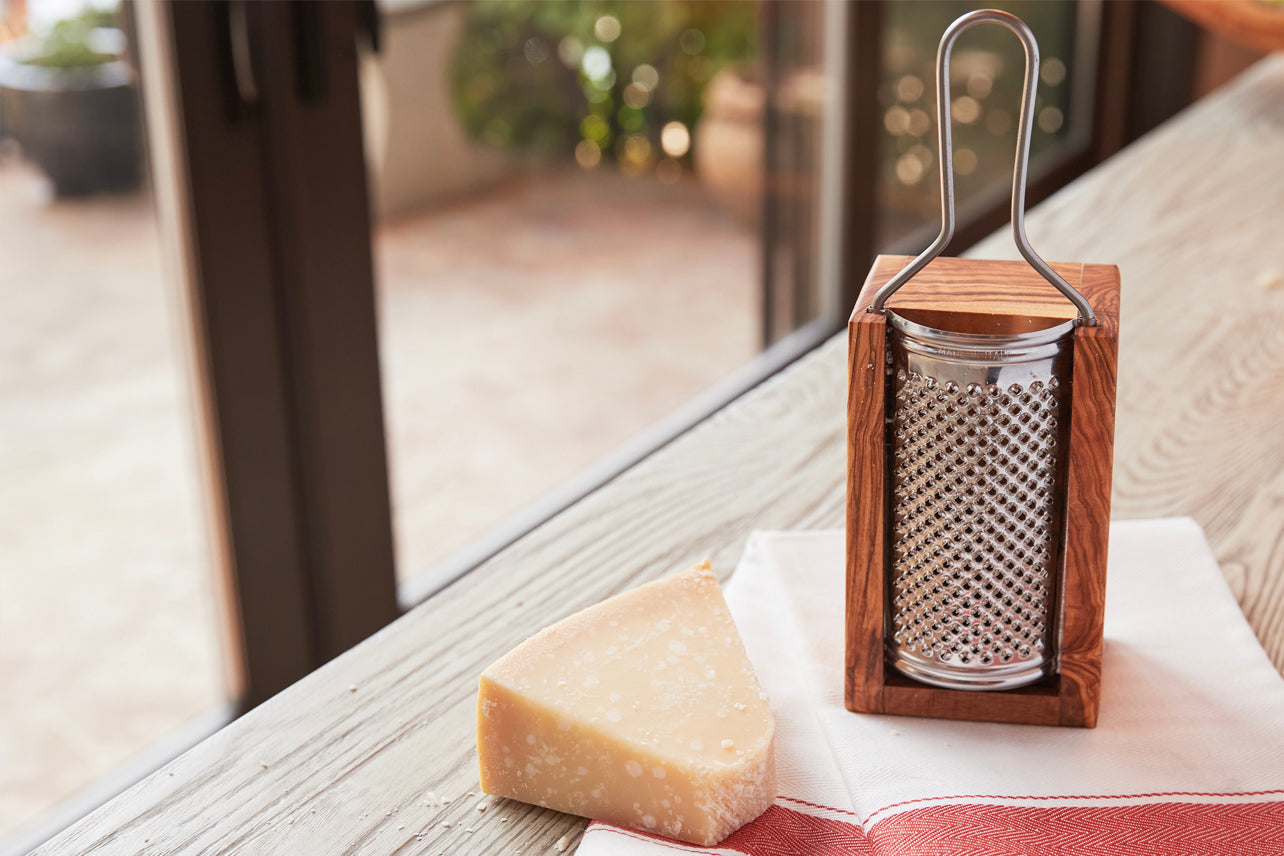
(642, 711)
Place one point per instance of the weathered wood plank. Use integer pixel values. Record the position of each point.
(364, 760)
(345, 760)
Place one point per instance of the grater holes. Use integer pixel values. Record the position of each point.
(964, 474)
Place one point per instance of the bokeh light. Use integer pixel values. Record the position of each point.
(636, 96)
(691, 41)
(646, 77)
(635, 154)
(909, 89)
(965, 161)
(607, 28)
(909, 169)
(1050, 120)
(675, 139)
(594, 128)
(1053, 72)
(588, 154)
(596, 63)
(979, 85)
(570, 51)
(896, 121)
(966, 109)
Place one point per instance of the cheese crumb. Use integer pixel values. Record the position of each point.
(562, 844)
(728, 744)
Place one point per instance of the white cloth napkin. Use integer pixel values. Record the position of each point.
(1187, 757)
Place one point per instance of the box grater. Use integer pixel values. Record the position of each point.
(981, 430)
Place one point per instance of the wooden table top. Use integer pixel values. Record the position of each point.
(359, 756)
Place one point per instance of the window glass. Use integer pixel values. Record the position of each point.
(107, 632)
(569, 235)
(986, 75)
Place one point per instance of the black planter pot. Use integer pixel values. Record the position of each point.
(81, 125)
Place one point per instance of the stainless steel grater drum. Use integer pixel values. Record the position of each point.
(975, 423)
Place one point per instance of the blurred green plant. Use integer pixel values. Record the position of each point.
(70, 43)
(597, 79)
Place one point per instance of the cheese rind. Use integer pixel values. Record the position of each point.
(642, 711)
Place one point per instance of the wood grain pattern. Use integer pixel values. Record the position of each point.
(1034, 705)
(866, 523)
(999, 290)
(1190, 214)
(971, 295)
(1088, 478)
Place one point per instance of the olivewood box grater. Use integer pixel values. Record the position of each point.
(980, 440)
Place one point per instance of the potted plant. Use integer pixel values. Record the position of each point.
(69, 99)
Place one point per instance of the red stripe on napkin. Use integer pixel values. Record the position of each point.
(784, 832)
(1153, 829)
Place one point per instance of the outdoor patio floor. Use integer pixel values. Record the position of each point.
(525, 333)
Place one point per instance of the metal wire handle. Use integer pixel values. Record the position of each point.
(945, 145)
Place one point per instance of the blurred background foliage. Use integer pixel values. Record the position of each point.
(600, 79)
(76, 41)
(622, 81)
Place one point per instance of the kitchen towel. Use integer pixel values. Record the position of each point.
(1187, 757)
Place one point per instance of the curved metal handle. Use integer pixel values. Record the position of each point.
(945, 146)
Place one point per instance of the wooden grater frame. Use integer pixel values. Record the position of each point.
(993, 296)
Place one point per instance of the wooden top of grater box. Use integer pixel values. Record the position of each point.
(989, 295)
